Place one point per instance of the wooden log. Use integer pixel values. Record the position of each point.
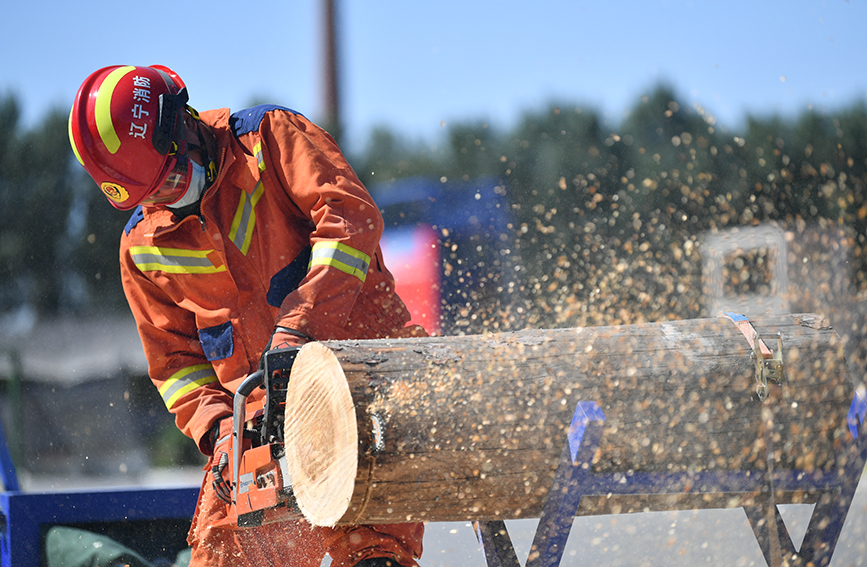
(461, 428)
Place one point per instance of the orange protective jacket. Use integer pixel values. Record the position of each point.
(287, 235)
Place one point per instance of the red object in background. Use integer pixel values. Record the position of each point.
(413, 257)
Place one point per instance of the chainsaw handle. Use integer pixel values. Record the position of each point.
(239, 411)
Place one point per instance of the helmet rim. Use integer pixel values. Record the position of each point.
(118, 134)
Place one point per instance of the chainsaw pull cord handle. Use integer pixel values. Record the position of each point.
(239, 417)
(221, 486)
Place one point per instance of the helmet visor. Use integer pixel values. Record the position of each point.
(174, 185)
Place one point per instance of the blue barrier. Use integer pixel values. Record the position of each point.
(25, 517)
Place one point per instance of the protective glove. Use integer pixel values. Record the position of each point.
(221, 470)
(284, 337)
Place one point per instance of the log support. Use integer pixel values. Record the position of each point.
(550, 424)
(575, 480)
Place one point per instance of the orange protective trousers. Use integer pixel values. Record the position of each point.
(292, 544)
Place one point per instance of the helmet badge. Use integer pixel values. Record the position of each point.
(115, 192)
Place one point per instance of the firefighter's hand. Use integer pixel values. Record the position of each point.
(285, 337)
(221, 469)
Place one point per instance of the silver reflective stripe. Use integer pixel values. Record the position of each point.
(257, 151)
(173, 260)
(340, 256)
(244, 221)
(186, 380)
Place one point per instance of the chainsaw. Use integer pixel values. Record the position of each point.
(261, 488)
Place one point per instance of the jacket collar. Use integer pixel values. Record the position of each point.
(160, 220)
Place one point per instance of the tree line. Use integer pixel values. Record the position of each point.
(607, 217)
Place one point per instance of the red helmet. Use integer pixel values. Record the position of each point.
(125, 128)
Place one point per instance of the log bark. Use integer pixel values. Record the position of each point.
(472, 427)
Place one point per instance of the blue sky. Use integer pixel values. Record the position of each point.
(417, 65)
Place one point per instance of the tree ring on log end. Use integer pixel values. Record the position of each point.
(321, 435)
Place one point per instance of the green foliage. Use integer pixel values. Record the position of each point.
(36, 199)
(96, 248)
(49, 241)
(606, 217)
(388, 157)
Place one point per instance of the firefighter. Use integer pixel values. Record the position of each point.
(249, 231)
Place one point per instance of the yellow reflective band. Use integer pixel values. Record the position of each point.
(173, 260)
(186, 380)
(257, 151)
(241, 231)
(102, 109)
(72, 141)
(342, 257)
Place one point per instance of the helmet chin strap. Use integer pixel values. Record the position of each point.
(209, 165)
(200, 176)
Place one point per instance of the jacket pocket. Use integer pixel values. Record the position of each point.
(217, 341)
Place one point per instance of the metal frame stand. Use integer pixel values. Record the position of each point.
(574, 479)
(25, 517)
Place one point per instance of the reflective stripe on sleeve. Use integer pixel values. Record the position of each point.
(186, 380)
(344, 258)
(241, 231)
(173, 260)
